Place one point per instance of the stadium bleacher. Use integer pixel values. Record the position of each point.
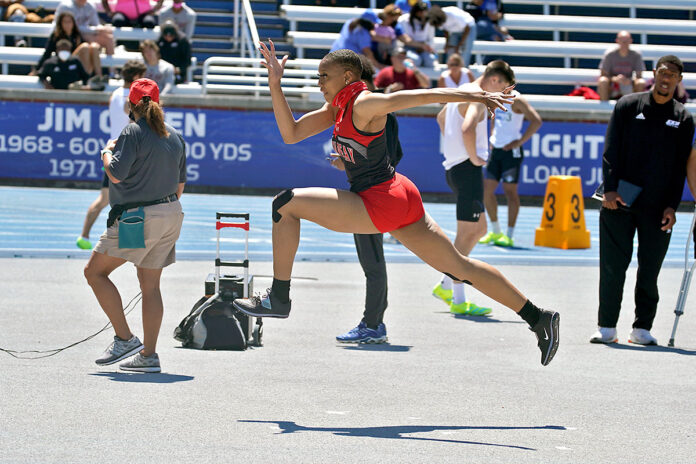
(306, 32)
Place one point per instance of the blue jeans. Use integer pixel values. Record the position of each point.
(486, 30)
(424, 59)
(466, 48)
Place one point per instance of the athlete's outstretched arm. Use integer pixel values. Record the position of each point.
(291, 130)
(375, 104)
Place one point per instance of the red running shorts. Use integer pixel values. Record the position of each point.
(393, 204)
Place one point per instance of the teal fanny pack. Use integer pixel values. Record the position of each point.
(131, 229)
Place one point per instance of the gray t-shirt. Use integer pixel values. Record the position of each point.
(185, 19)
(85, 15)
(163, 74)
(149, 167)
(614, 64)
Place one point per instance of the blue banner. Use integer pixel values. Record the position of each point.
(237, 148)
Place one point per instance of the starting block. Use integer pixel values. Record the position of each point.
(563, 219)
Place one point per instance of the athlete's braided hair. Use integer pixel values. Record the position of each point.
(348, 59)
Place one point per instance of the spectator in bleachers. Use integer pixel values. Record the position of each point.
(88, 53)
(405, 5)
(62, 69)
(400, 77)
(132, 13)
(488, 14)
(14, 11)
(459, 28)
(86, 17)
(621, 69)
(384, 37)
(157, 69)
(356, 36)
(175, 49)
(418, 36)
(456, 73)
(182, 15)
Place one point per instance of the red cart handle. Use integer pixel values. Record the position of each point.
(239, 225)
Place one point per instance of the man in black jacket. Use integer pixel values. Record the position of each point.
(647, 145)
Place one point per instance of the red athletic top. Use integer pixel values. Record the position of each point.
(365, 155)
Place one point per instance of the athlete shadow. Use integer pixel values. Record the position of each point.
(513, 248)
(399, 432)
(139, 377)
(480, 319)
(654, 348)
(377, 347)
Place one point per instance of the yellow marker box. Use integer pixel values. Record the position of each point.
(563, 219)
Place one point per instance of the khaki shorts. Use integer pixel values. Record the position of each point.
(162, 227)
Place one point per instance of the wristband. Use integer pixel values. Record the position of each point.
(104, 151)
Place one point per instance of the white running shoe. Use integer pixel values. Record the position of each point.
(642, 337)
(604, 335)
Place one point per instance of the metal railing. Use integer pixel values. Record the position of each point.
(245, 34)
(243, 75)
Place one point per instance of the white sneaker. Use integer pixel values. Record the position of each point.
(642, 337)
(604, 335)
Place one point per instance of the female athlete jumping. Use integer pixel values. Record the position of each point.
(379, 200)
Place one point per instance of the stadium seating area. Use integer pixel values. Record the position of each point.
(558, 42)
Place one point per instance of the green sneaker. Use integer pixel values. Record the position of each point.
(490, 237)
(442, 294)
(83, 244)
(469, 309)
(504, 241)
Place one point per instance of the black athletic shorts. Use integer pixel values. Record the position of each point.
(505, 165)
(105, 181)
(466, 181)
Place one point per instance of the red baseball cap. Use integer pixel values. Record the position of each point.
(143, 88)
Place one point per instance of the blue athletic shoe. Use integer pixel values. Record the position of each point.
(363, 334)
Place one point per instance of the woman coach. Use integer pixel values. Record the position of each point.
(147, 170)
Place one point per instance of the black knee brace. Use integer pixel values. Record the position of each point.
(281, 199)
(457, 280)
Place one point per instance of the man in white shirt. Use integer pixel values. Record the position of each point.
(464, 127)
(118, 119)
(459, 28)
(504, 165)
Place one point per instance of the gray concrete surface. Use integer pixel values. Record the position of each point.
(443, 390)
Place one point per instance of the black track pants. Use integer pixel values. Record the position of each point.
(371, 255)
(616, 231)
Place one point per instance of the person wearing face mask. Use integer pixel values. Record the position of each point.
(61, 70)
(646, 148)
(181, 15)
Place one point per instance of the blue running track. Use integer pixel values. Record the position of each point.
(41, 223)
